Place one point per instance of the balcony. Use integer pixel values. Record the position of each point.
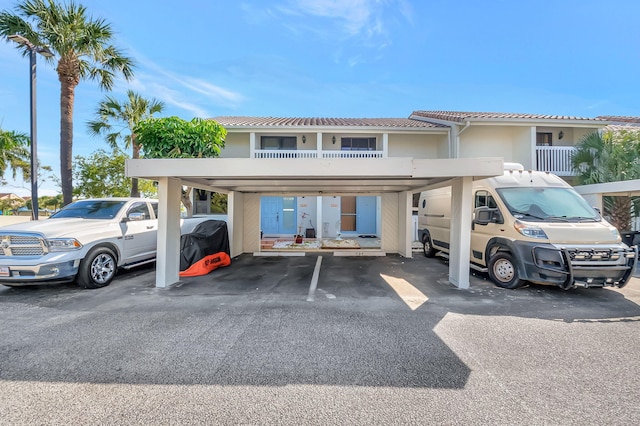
(272, 153)
(285, 153)
(555, 159)
(352, 154)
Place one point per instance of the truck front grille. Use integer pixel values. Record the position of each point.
(596, 255)
(21, 245)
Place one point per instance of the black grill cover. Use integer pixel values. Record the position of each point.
(208, 237)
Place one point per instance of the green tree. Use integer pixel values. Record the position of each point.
(10, 205)
(116, 120)
(219, 203)
(84, 51)
(50, 202)
(172, 137)
(101, 174)
(14, 154)
(610, 156)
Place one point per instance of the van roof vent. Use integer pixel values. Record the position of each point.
(513, 166)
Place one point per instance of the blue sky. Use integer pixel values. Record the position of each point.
(346, 58)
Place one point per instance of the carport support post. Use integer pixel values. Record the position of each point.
(168, 254)
(461, 202)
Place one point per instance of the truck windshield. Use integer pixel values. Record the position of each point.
(547, 204)
(104, 209)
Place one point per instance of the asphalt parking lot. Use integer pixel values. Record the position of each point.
(298, 340)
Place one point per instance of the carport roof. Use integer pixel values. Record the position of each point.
(313, 176)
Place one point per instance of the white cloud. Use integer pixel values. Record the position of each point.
(361, 18)
(211, 90)
(186, 92)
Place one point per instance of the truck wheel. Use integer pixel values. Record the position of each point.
(98, 268)
(503, 271)
(427, 246)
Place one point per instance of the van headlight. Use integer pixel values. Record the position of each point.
(63, 244)
(615, 233)
(530, 231)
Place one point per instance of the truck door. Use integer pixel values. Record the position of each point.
(139, 231)
(481, 234)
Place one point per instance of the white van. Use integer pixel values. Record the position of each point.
(531, 226)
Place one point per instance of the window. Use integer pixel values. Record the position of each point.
(278, 142)
(140, 207)
(89, 209)
(358, 144)
(544, 139)
(484, 199)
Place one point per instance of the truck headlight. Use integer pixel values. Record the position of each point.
(530, 231)
(63, 244)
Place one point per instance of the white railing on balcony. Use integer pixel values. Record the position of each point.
(555, 159)
(292, 153)
(285, 153)
(352, 154)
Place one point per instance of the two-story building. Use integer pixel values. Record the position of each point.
(339, 177)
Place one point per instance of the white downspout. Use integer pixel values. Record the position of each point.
(456, 148)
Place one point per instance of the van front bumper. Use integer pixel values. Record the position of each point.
(577, 265)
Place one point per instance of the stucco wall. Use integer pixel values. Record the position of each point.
(251, 217)
(415, 146)
(390, 223)
(236, 146)
(330, 216)
(514, 144)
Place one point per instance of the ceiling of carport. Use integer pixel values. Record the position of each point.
(313, 176)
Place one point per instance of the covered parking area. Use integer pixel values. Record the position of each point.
(628, 188)
(245, 180)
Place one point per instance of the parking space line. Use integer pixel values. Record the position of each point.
(314, 280)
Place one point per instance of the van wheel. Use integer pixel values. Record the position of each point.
(97, 269)
(503, 271)
(427, 246)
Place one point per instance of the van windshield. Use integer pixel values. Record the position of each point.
(547, 205)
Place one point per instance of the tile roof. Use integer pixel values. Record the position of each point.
(459, 116)
(240, 121)
(620, 119)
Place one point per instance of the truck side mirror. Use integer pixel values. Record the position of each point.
(485, 215)
(134, 217)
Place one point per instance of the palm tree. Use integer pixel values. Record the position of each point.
(14, 154)
(83, 48)
(113, 118)
(609, 157)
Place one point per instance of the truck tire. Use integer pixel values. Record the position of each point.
(98, 268)
(503, 271)
(427, 246)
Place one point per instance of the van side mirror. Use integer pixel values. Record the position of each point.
(485, 215)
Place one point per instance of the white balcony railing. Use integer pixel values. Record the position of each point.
(292, 153)
(352, 154)
(285, 153)
(555, 159)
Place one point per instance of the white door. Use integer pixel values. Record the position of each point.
(139, 231)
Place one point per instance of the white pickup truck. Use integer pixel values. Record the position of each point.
(87, 241)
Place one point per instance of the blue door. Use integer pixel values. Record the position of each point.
(366, 215)
(278, 215)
